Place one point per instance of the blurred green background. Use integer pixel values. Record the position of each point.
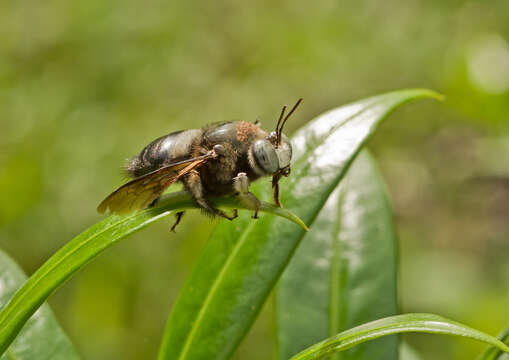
(86, 84)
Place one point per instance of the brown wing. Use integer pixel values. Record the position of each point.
(142, 191)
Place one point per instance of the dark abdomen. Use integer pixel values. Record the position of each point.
(163, 151)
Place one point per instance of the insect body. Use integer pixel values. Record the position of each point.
(218, 160)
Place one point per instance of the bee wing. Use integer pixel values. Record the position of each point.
(142, 191)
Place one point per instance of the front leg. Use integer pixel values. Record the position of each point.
(194, 185)
(241, 186)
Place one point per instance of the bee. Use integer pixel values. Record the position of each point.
(218, 160)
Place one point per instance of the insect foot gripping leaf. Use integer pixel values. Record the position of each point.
(243, 259)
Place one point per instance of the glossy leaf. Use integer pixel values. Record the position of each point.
(86, 246)
(492, 352)
(344, 272)
(42, 338)
(424, 323)
(243, 260)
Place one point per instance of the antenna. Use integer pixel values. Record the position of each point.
(286, 118)
(280, 118)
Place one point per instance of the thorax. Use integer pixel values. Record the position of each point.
(236, 138)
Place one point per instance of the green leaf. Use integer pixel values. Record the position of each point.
(344, 274)
(492, 352)
(42, 338)
(243, 259)
(406, 352)
(425, 323)
(86, 246)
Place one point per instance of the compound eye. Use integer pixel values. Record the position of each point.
(266, 156)
(284, 152)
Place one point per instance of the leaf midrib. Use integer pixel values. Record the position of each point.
(212, 291)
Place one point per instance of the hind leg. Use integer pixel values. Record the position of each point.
(193, 183)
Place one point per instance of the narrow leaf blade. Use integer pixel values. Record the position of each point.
(424, 323)
(243, 259)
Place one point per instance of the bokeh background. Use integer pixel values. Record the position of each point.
(86, 84)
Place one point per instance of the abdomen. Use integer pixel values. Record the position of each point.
(163, 151)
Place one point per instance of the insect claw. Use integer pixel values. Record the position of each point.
(177, 221)
(226, 216)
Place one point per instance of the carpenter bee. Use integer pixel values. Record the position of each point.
(220, 159)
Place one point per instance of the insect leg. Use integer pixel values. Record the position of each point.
(241, 186)
(177, 221)
(193, 183)
(275, 188)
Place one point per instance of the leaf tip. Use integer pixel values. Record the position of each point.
(440, 97)
(431, 94)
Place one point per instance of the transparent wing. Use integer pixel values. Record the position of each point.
(142, 191)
